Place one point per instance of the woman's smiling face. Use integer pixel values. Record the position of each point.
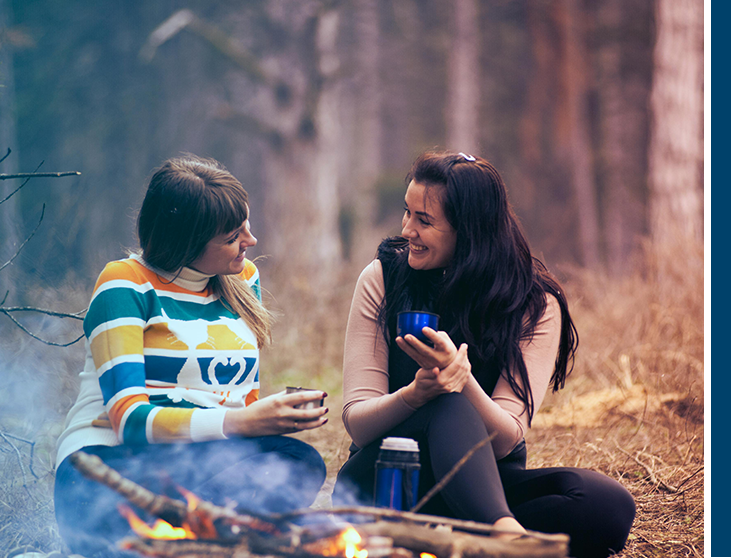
(432, 239)
(224, 254)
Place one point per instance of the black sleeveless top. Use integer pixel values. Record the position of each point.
(423, 288)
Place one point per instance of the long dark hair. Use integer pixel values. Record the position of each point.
(493, 291)
(189, 201)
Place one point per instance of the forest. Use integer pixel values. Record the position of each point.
(591, 110)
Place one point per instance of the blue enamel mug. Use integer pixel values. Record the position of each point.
(412, 322)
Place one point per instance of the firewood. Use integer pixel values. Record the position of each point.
(207, 520)
(418, 518)
(446, 544)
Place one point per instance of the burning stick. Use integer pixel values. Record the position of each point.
(205, 520)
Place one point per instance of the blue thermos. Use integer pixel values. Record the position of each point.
(397, 474)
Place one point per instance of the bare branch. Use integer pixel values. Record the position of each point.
(32, 444)
(6, 155)
(6, 264)
(185, 18)
(654, 479)
(453, 471)
(20, 187)
(73, 315)
(34, 336)
(38, 175)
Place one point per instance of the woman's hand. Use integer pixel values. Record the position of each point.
(276, 414)
(440, 356)
(432, 382)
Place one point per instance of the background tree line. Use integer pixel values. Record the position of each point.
(591, 110)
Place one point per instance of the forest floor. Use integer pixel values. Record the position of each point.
(633, 408)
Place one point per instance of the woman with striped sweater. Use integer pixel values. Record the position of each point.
(170, 390)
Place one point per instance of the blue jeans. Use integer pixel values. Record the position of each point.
(268, 474)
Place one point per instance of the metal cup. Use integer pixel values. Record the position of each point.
(412, 322)
(308, 404)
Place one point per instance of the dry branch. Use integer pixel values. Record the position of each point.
(453, 471)
(654, 479)
(38, 175)
(200, 520)
(262, 537)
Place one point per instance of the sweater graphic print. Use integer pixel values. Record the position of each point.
(166, 356)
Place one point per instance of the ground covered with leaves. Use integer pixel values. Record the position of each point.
(633, 407)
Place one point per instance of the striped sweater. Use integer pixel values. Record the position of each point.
(165, 359)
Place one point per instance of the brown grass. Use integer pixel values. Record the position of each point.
(632, 409)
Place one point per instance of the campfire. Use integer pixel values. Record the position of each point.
(198, 528)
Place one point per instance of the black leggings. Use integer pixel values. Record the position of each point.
(594, 510)
(268, 474)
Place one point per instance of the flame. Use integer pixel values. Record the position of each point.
(426, 555)
(351, 538)
(191, 498)
(161, 529)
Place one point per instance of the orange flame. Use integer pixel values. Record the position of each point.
(351, 538)
(191, 498)
(161, 529)
(426, 555)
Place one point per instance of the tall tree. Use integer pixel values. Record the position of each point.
(463, 78)
(623, 60)
(580, 153)
(8, 140)
(369, 129)
(291, 104)
(676, 142)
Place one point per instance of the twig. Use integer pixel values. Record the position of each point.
(32, 445)
(34, 336)
(689, 477)
(6, 264)
(453, 471)
(6, 155)
(73, 315)
(19, 187)
(17, 453)
(650, 473)
(38, 175)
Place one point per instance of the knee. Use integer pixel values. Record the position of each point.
(452, 407)
(609, 517)
(309, 458)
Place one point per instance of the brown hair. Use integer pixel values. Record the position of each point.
(189, 201)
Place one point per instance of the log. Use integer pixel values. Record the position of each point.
(207, 520)
(452, 544)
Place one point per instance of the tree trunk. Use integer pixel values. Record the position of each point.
(369, 128)
(622, 91)
(579, 139)
(676, 143)
(9, 221)
(463, 79)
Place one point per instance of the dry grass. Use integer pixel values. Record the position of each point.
(632, 409)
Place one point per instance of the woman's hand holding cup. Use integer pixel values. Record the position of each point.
(281, 413)
(432, 382)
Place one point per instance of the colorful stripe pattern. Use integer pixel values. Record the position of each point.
(165, 355)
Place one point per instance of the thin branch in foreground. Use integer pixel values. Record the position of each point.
(31, 443)
(6, 264)
(38, 175)
(6, 155)
(11, 194)
(453, 471)
(34, 336)
(54, 313)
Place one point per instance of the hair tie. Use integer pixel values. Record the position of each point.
(469, 158)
